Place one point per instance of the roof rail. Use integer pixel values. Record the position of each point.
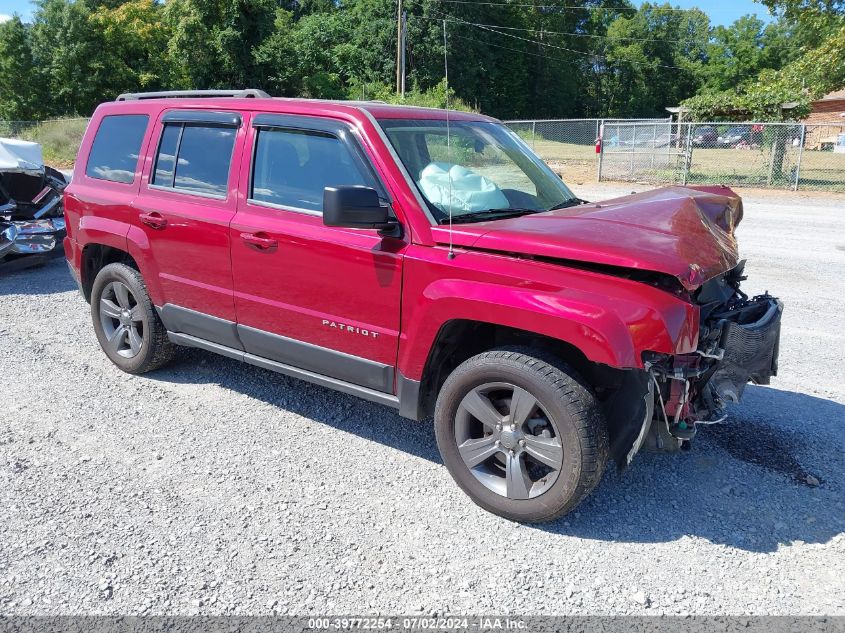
(191, 94)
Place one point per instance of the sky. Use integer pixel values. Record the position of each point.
(720, 11)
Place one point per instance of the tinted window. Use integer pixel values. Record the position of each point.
(205, 155)
(202, 156)
(166, 158)
(291, 168)
(117, 145)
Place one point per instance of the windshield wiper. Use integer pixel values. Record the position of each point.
(572, 202)
(488, 214)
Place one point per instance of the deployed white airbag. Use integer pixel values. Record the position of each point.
(470, 191)
(16, 155)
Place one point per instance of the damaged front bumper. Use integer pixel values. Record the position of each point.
(738, 343)
(37, 237)
(749, 352)
(8, 235)
(32, 224)
(27, 243)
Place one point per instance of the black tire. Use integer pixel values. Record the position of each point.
(562, 399)
(155, 349)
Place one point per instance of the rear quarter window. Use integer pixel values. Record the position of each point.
(117, 147)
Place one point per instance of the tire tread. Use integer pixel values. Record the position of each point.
(580, 402)
(162, 350)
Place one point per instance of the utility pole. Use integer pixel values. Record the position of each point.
(399, 49)
(404, 48)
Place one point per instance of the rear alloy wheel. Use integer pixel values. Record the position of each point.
(125, 321)
(521, 434)
(122, 320)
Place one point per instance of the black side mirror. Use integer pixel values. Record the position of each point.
(355, 207)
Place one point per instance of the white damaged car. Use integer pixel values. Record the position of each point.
(32, 223)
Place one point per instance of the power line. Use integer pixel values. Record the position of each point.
(514, 50)
(591, 35)
(562, 6)
(569, 50)
(561, 48)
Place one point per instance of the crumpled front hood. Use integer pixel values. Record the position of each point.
(687, 232)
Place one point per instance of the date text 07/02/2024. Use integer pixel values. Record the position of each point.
(486, 623)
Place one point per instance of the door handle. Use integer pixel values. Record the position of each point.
(153, 220)
(259, 241)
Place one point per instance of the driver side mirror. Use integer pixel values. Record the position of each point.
(355, 207)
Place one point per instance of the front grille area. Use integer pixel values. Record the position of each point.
(751, 351)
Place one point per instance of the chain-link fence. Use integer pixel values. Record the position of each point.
(635, 147)
(568, 145)
(59, 138)
(777, 155)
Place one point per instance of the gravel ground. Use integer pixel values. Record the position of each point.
(214, 487)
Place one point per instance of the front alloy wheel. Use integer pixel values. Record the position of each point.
(521, 433)
(508, 441)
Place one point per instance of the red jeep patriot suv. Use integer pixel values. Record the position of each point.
(425, 260)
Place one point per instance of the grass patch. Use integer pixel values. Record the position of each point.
(59, 139)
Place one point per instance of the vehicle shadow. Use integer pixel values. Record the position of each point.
(749, 484)
(339, 410)
(48, 277)
(771, 476)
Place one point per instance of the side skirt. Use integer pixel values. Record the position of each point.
(313, 358)
(200, 325)
(288, 370)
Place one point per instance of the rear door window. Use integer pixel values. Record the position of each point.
(166, 158)
(291, 168)
(116, 148)
(195, 158)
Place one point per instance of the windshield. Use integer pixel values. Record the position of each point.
(486, 171)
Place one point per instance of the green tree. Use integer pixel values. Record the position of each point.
(319, 47)
(654, 58)
(77, 68)
(742, 50)
(818, 68)
(818, 12)
(510, 59)
(524, 60)
(245, 24)
(274, 58)
(191, 56)
(21, 97)
(135, 35)
(594, 89)
(434, 97)
(213, 42)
